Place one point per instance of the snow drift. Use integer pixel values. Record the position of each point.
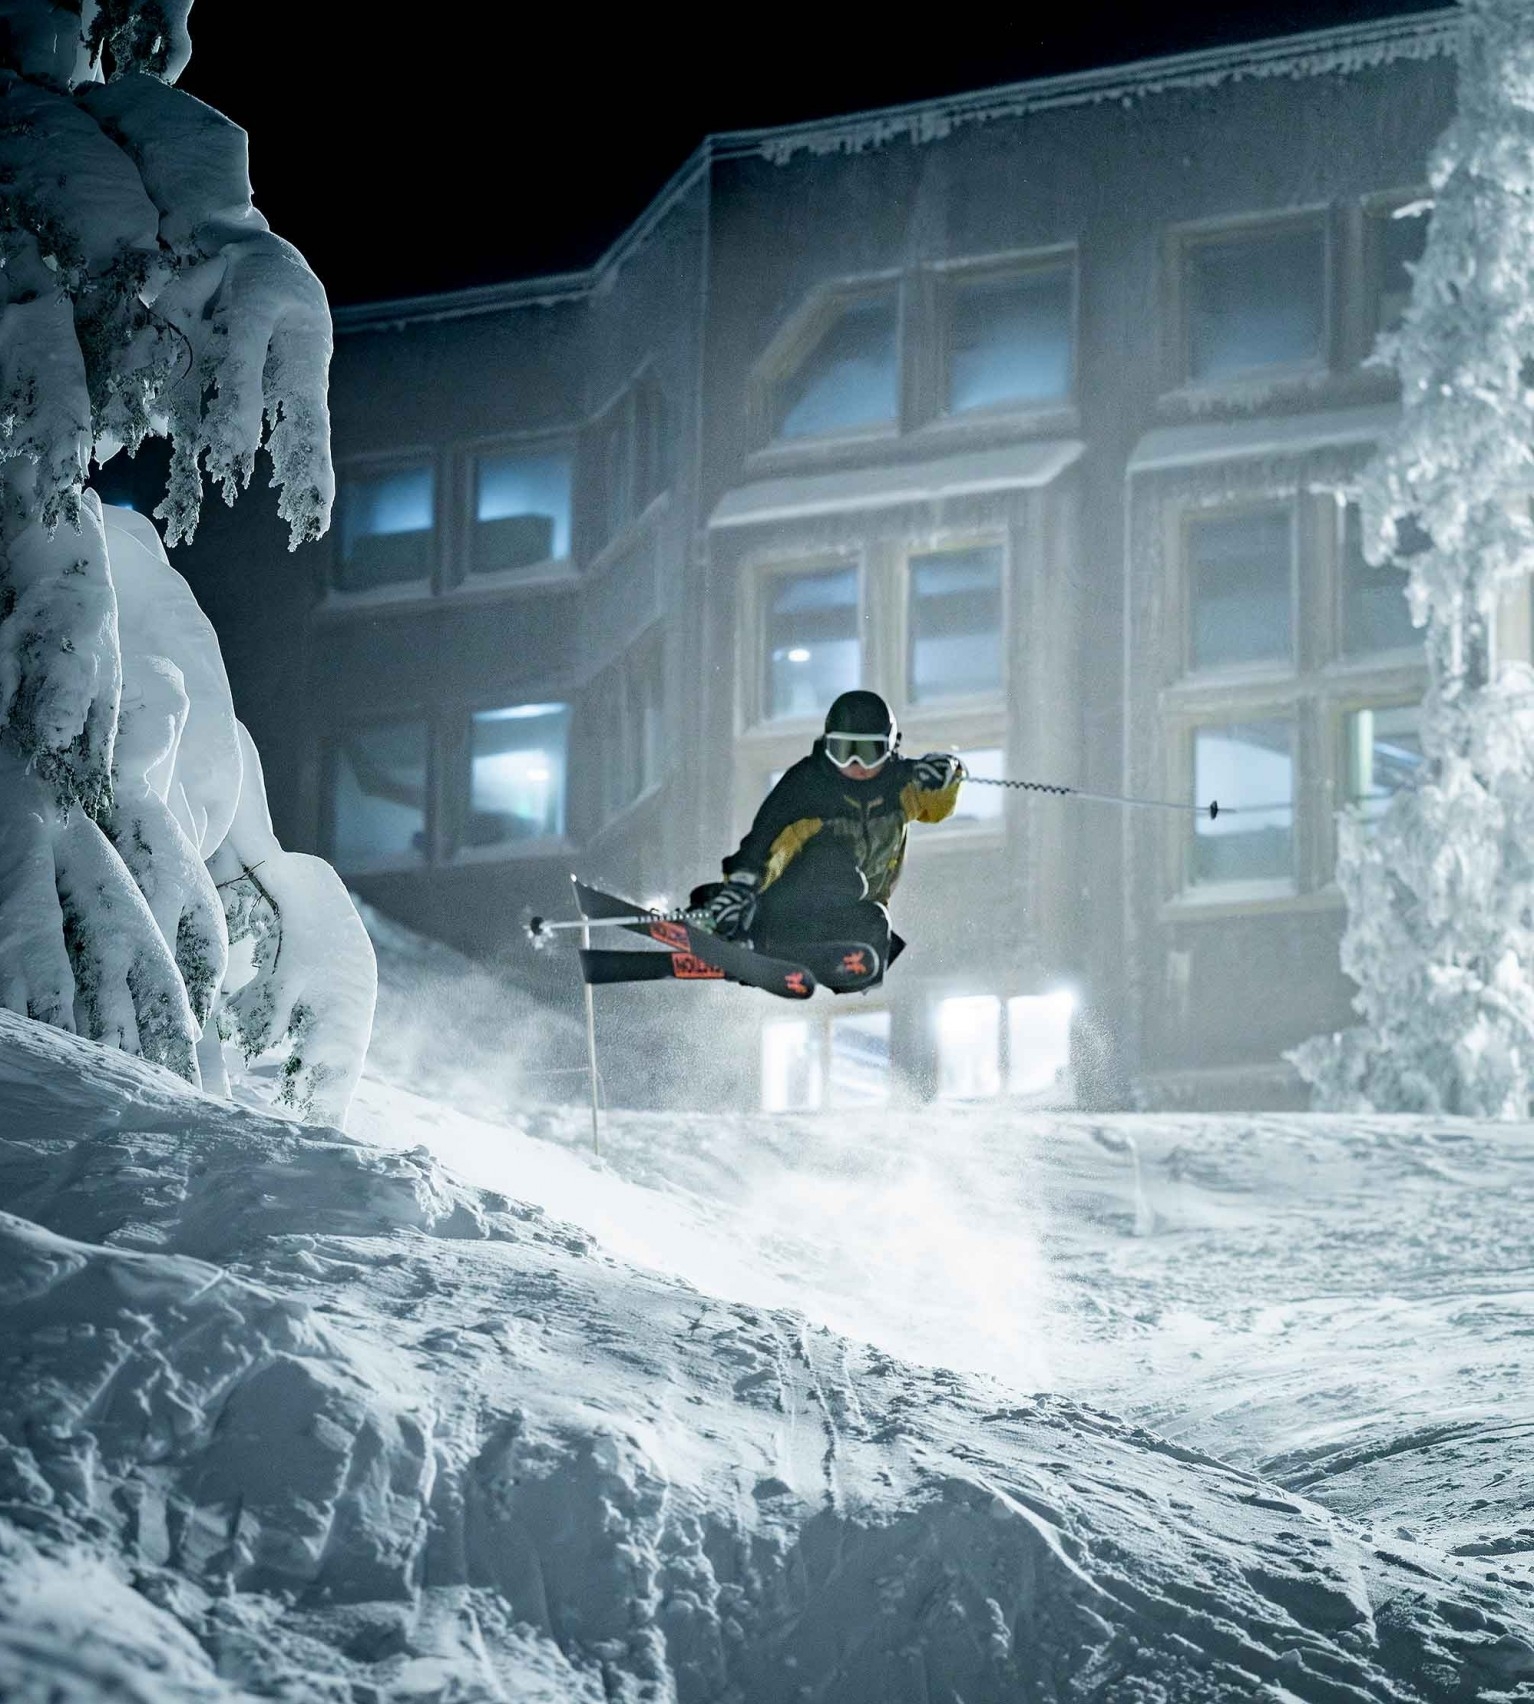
(313, 1417)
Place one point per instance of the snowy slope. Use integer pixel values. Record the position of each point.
(286, 1412)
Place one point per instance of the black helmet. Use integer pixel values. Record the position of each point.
(860, 729)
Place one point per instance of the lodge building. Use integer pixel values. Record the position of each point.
(1037, 410)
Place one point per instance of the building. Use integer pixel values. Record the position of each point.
(1035, 409)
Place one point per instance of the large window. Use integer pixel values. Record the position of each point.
(1241, 588)
(848, 380)
(521, 510)
(811, 640)
(1009, 340)
(1039, 1046)
(1248, 767)
(626, 727)
(1253, 301)
(630, 455)
(969, 1047)
(379, 796)
(516, 782)
(386, 529)
(1384, 754)
(955, 624)
(809, 1063)
(1375, 614)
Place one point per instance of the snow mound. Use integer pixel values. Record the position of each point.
(314, 1418)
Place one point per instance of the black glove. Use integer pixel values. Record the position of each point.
(937, 771)
(732, 910)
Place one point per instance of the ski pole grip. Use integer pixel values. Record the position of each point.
(1214, 809)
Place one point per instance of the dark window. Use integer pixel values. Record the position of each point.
(955, 623)
(1397, 242)
(1241, 589)
(378, 796)
(521, 509)
(1375, 614)
(1254, 301)
(1010, 341)
(848, 379)
(1384, 755)
(1249, 768)
(385, 533)
(812, 646)
(516, 779)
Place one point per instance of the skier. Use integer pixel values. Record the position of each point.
(825, 851)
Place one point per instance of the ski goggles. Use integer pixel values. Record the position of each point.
(868, 749)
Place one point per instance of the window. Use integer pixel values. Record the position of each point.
(386, 528)
(1375, 614)
(812, 643)
(516, 780)
(1253, 301)
(1248, 767)
(981, 804)
(1009, 340)
(1039, 1045)
(521, 510)
(848, 380)
(1241, 577)
(378, 796)
(791, 1067)
(955, 624)
(969, 1047)
(629, 453)
(859, 1073)
(1384, 754)
(1396, 240)
(626, 723)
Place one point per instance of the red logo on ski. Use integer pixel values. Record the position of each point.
(855, 964)
(794, 982)
(688, 967)
(671, 935)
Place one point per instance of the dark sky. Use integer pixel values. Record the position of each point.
(499, 141)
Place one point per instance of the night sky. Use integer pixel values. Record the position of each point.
(503, 141)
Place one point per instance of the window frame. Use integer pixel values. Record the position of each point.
(1378, 211)
(597, 534)
(1346, 706)
(959, 705)
(948, 278)
(1181, 242)
(620, 685)
(795, 341)
(1385, 656)
(426, 586)
(334, 738)
(460, 581)
(755, 690)
(457, 726)
(1259, 668)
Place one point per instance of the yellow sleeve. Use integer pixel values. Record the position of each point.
(920, 805)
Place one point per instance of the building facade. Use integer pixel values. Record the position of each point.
(1035, 410)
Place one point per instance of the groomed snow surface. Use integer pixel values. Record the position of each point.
(917, 1406)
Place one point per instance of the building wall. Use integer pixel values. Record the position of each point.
(1188, 991)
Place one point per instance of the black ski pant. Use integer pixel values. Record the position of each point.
(821, 896)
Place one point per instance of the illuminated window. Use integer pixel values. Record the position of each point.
(1384, 754)
(848, 381)
(811, 641)
(385, 533)
(521, 510)
(378, 796)
(955, 624)
(1397, 240)
(1010, 341)
(791, 1069)
(969, 1047)
(1375, 614)
(1254, 301)
(860, 1059)
(1039, 1045)
(981, 804)
(1241, 576)
(1249, 768)
(516, 775)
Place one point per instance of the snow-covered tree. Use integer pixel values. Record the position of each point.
(1440, 932)
(141, 294)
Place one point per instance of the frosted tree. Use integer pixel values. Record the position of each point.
(1440, 931)
(142, 294)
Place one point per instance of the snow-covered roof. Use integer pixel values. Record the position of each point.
(1241, 440)
(1346, 48)
(1017, 467)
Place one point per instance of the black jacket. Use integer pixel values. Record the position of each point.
(815, 803)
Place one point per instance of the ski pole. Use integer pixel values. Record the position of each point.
(539, 929)
(1211, 810)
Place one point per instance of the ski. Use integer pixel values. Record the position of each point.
(842, 966)
(619, 964)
